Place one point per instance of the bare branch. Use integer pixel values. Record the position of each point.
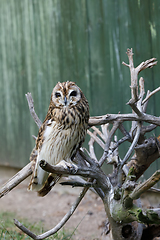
(99, 133)
(141, 87)
(133, 105)
(34, 137)
(84, 157)
(151, 94)
(145, 185)
(59, 225)
(146, 129)
(31, 109)
(78, 184)
(93, 172)
(125, 64)
(130, 57)
(97, 139)
(122, 140)
(112, 132)
(110, 118)
(16, 179)
(134, 89)
(146, 103)
(124, 132)
(131, 149)
(141, 95)
(91, 149)
(147, 64)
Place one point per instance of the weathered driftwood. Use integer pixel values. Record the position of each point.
(119, 190)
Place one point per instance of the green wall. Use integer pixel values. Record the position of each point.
(43, 42)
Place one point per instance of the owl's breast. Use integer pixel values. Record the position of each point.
(61, 140)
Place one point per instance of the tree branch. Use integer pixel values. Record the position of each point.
(96, 139)
(58, 226)
(93, 172)
(16, 179)
(99, 133)
(131, 149)
(145, 185)
(31, 109)
(91, 149)
(150, 95)
(111, 133)
(110, 118)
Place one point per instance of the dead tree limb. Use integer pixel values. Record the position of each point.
(16, 179)
(58, 226)
(32, 110)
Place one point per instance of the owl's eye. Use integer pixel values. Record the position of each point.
(73, 94)
(57, 94)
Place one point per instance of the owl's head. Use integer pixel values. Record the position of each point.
(66, 94)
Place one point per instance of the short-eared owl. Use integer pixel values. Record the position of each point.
(61, 134)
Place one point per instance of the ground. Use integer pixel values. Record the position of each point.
(88, 218)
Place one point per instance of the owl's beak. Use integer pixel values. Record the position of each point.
(65, 100)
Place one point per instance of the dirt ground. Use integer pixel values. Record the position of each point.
(88, 217)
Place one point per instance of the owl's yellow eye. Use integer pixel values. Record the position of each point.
(57, 94)
(73, 94)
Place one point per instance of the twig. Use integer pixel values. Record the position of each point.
(124, 132)
(97, 139)
(112, 132)
(122, 140)
(16, 179)
(149, 128)
(99, 133)
(133, 105)
(136, 138)
(105, 130)
(147, 64)
(59, 225)
(151, 94)
(91, 161)
(78, 184)
(34, 137)
(146, 103)
(133, 73)
(31, 109)
(145, 185)
(142, 92)
(91, 149)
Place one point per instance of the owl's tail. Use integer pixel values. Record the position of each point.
(38, 179)
(50, 182)
(41, 181)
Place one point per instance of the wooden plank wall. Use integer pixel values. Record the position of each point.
(43, 42)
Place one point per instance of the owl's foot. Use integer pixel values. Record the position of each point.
(68, 166)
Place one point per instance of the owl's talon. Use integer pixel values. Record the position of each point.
(73, 169)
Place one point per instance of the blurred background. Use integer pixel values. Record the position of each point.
(85, 41)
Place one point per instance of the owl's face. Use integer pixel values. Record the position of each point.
(66, 94)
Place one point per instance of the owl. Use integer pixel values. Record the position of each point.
(61, 134)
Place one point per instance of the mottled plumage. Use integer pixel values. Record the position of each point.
(61, 134)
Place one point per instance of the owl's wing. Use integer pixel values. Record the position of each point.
(52, 178)
(34, 153)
